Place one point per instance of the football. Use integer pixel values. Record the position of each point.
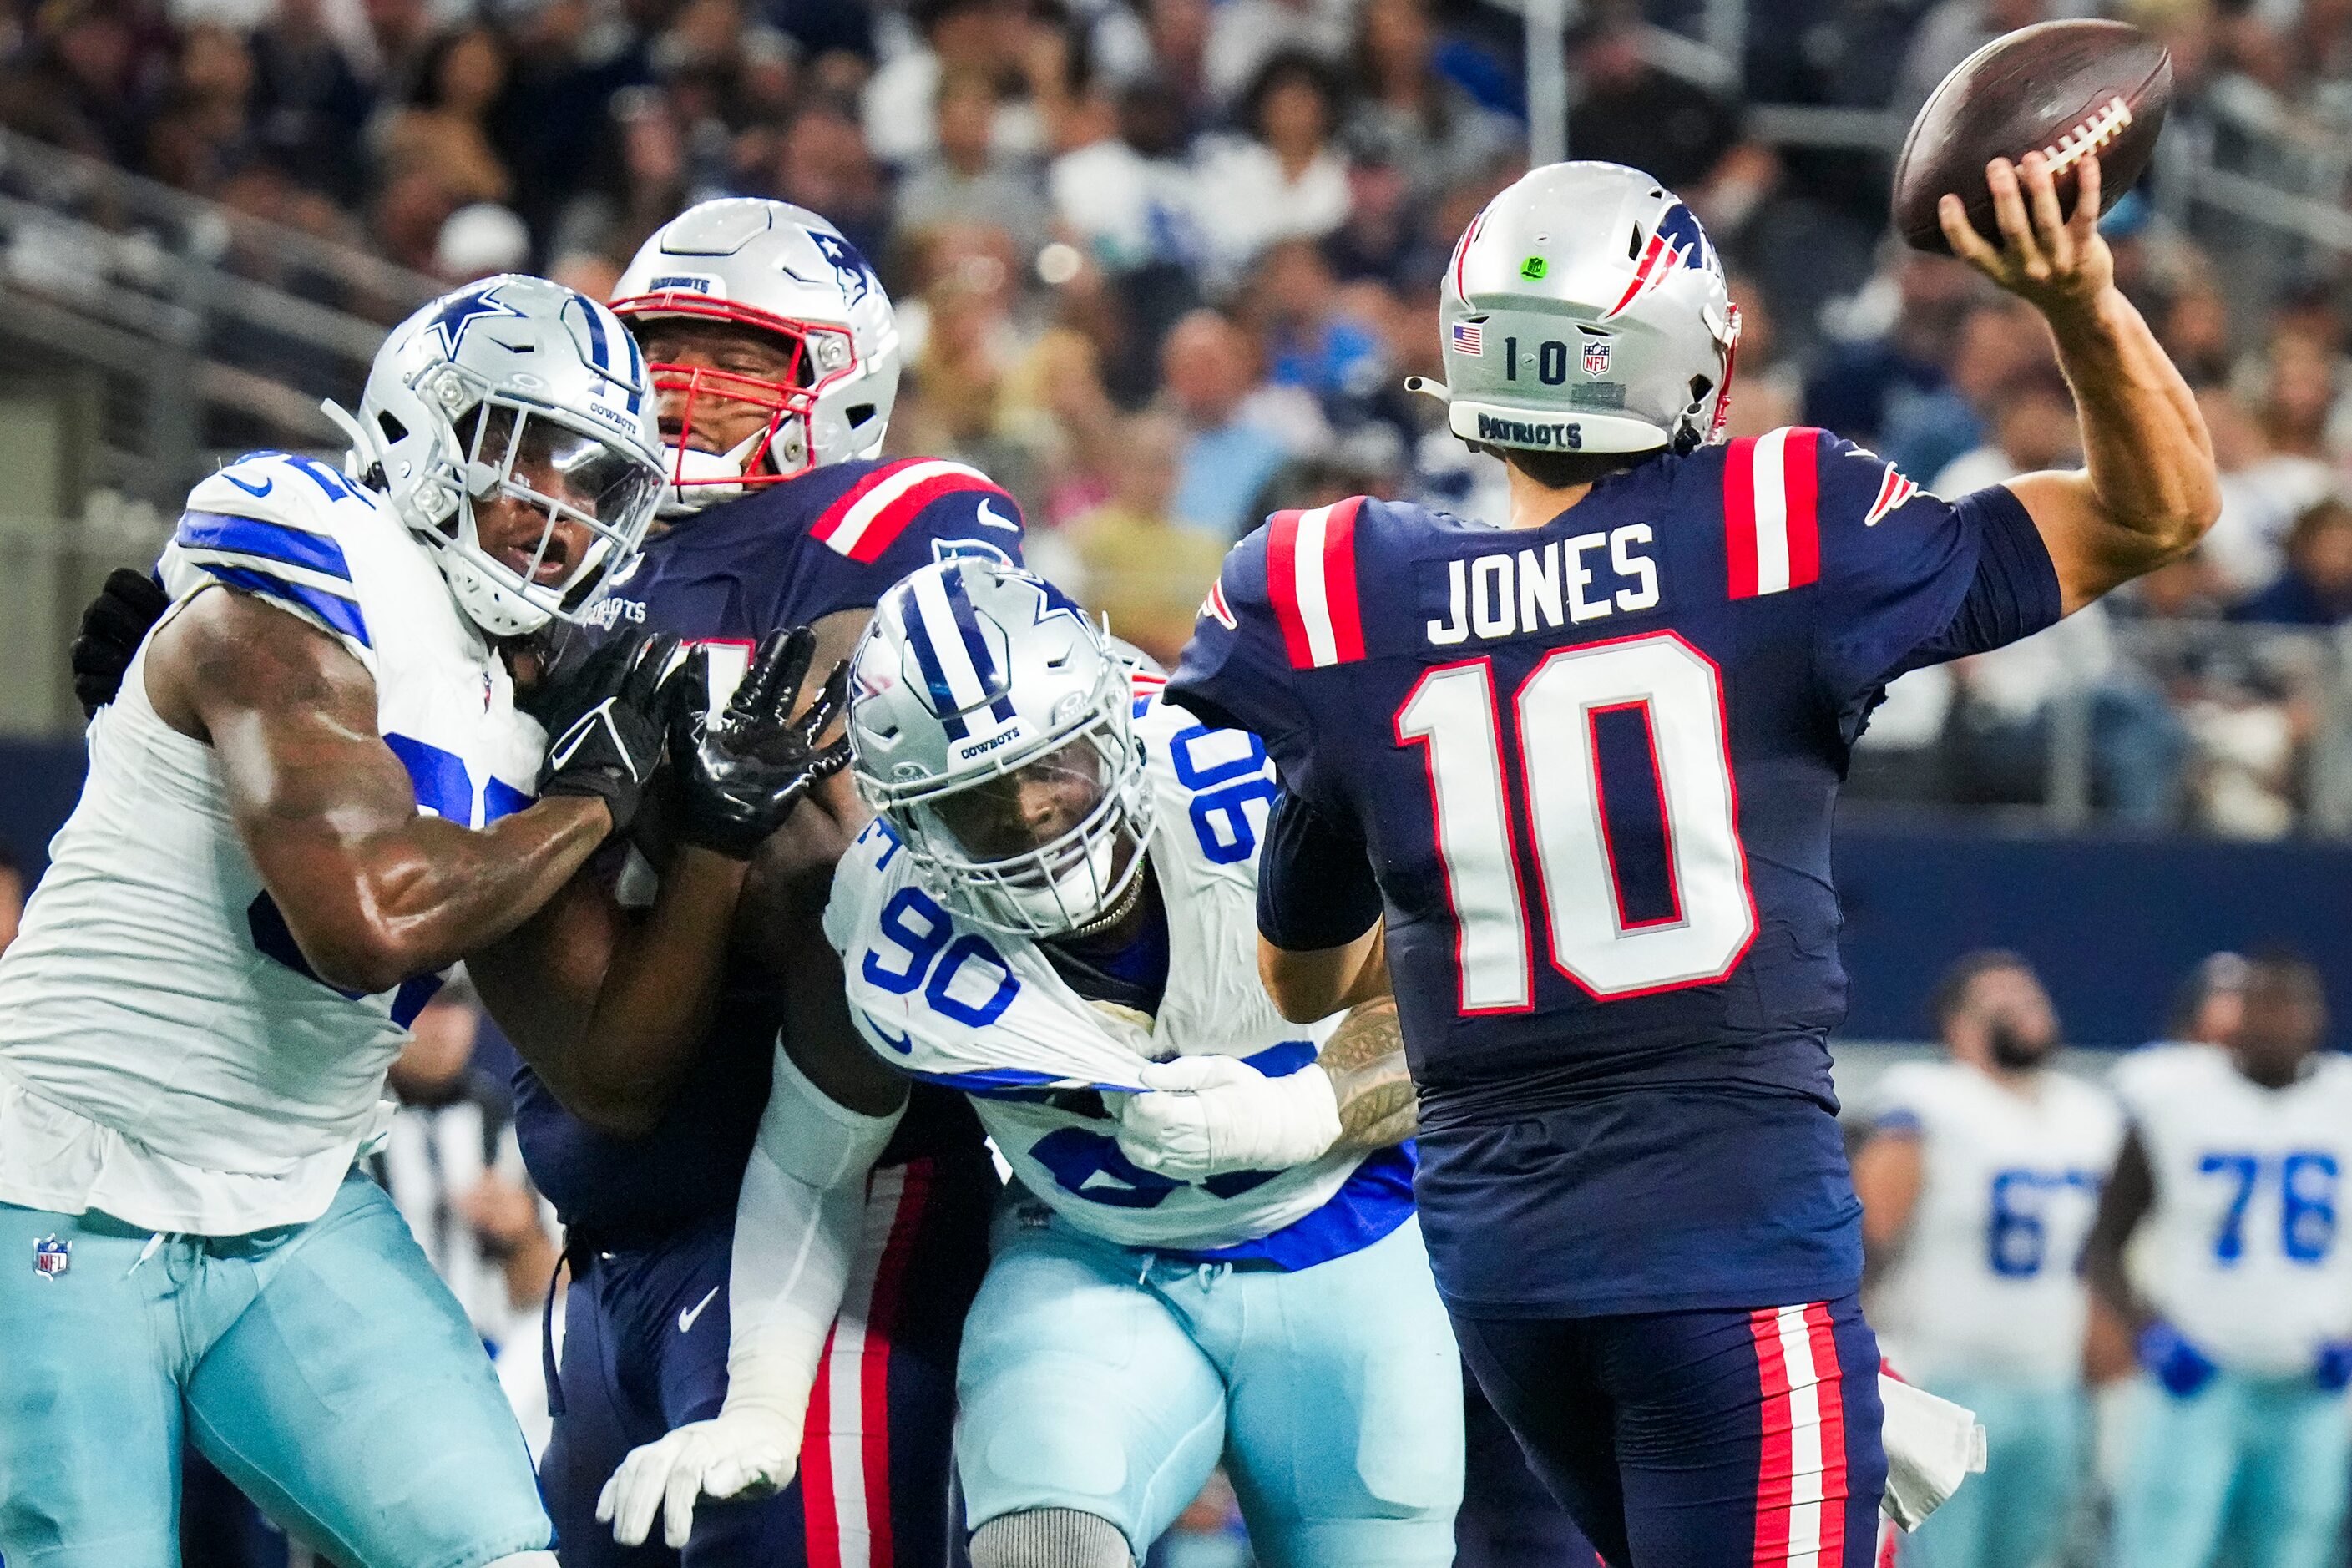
(2067, 88)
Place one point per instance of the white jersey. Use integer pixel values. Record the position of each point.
(1988, 1283)
(2245, 1251)
(166, 1054)
(951, 1003)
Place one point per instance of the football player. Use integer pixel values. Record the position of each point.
(314, 793)
(1211, 1250)
(2225, 1201)
(1978, 1183)
(775, 360)
(1571, 781)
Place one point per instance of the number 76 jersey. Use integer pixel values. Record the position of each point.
(1595, 761)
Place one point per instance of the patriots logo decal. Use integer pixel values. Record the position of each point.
(849, 268)
(1677, 241)
(1217, 610)
(1894, 489)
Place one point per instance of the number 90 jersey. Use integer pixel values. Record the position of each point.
(950, 1003)
(2245, 1251)
(167, 1054)
(1594, 764)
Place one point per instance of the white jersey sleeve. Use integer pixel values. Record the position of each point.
(165, 1052)
(2243, 1251)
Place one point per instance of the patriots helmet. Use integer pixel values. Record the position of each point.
(993, 727)
(513, 389)
(1585, 311)
(784, 271)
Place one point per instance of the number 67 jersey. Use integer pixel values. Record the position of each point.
(1594, 764)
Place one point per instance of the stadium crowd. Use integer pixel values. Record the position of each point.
(1162, 264)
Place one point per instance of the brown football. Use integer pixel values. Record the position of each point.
(2065, 87)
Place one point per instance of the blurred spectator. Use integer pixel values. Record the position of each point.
(1244, 36)
(480, 241)
(552, 120)
(445, 130)
(1120, 188)
(77, 78)
(204, 124)
(1952, 31)
(12, 894)
(963, 180)
(1410, 117)
(2262, 492)
(309, 103)
(1319, 337)
(1627, 111)
(2032, 427)
(1882, 380)
(2315, 590)
(1767, 392)
(1238, 432)
(822, 164)
(1134, 563)
(989, 36)
(1287, 177)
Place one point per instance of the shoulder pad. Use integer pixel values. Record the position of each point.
(276, 524)
(878, 505)
(1311, 582)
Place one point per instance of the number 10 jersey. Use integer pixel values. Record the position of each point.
(1595, 764)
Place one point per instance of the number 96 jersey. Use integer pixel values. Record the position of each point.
(1594, 764)
(987, 1013)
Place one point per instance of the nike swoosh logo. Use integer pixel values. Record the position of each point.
(686, 1319)
(902, 1043)
(263, 489)
(990, 517)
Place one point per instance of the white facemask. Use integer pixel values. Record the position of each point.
(1076, 896)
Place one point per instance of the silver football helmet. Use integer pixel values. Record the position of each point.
(1585, 311)
(784, 270)
(521, 390)
(992, 725)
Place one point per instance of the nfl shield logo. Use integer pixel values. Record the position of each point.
(51, 1257)
(1596, 356)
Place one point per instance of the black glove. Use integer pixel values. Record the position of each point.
(740, 776)
(606, 720)
(112, 627)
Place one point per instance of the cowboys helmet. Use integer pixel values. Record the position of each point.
(1584, 310)
(992, 725)
(520, 390)
(783, 270)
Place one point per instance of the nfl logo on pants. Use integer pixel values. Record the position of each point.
(51, 1257)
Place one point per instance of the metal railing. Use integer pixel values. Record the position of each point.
(209, 327)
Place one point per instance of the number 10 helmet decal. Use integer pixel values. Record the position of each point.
(993, 727)
(1584, 310)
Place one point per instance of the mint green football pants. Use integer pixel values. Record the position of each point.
(323, 1367)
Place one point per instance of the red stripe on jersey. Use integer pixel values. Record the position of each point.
(1801, 472)
(882, 528)
(1282, 585)
(1340, 579)
(1831, 1392)
(1777, 1464)
(874, 1365)
(829, 521)
(1739, 516)
(820, 1529)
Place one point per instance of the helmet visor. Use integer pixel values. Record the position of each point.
(556, 507)
(1014, 816)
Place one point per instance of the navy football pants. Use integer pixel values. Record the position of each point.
(1704, 1439)
(644, 1349)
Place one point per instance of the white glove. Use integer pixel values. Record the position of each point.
(1932, 1446)
(1211, 1115)
(737, 1453)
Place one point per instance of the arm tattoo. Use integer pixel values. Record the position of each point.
(1365, 1057)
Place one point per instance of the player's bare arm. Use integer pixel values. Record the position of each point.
(1321, 982)
(607, 1006)
(1889, 1170)
(2127, 1198)
(373, 891)
(2149, 489)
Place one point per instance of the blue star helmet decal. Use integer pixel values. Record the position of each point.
(463, 311)
(849, 268)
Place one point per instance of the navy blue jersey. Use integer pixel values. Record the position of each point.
(1594, 766)
(782, 555)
